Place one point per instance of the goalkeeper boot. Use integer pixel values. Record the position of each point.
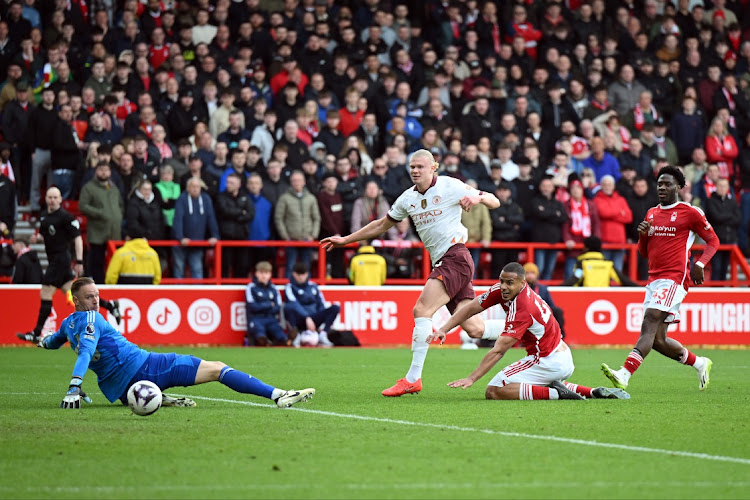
(617, 377)
(609, 393)
(402, 387)
(704, 372)
(29, 337)
(167, 400)
(290, 398)
(563, 392)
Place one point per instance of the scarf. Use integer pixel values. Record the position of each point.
(147, 200)
(600, 106)
(190, 205)
(580, 220)
(624, 134)
(640, 119)
(7, 171)
(406, 68)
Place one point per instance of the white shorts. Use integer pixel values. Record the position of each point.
(667, 296)
(536, 371)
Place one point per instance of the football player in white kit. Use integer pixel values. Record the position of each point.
(434, 205)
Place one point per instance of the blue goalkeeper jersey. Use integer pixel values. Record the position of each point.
(99, 346)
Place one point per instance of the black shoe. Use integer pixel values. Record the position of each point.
(609, 393)
(563, 392)
(261, 341)
(29, 337)
(115, 310)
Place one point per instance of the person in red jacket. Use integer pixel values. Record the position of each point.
(520, 26)
(351, 116)
(614, 214)
(721, 148)
(289, 72)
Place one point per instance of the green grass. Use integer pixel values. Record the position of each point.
(225, 449)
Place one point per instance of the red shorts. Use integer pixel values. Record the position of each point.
(456, 270)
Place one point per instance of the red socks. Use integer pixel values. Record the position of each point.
(687, 358)
(528, 392)
(633, 361)
(580, 389)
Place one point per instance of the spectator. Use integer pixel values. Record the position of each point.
(331, 209)
(583, 222)
(350, 187)
(297, 218)
(723, 212)
(744, 167)
(144, 212)
(687, 130)
(479, 229)
(168, 191)
(506, 222)
(262, 309)
(624, 93)
(184, 115)
(595, 270)
(614, 214)
(103, 207)
(134, 263)
(27, 269)
(368, 207)
(65, 154)
(220, 119)
(367, 268)
(695, 170)
(261, 224)
(601, 162)
(234, 211)
(305, 308)
(546, 216)
(194, 219)
(665, 148)
(721, 148)
(296, 149)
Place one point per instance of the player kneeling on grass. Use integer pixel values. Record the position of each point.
(118, 363)
(541, 374)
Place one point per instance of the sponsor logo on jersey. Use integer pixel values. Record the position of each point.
(52, 230)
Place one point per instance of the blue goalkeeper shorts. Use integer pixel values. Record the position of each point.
(166, 370)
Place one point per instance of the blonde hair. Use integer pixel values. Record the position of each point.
(423, 153)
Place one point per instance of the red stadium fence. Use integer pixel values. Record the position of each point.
(318, 272)
(215, 315)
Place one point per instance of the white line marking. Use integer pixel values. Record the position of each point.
(541, 437)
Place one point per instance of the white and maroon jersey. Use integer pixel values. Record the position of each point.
(436, 213)
(528, 319)
(672, 233)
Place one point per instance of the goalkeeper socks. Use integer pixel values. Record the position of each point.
(44, 311)
(419, 346)
(244, 383)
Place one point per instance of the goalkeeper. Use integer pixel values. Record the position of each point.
(118, 363)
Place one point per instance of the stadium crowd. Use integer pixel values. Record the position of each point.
(209, 120)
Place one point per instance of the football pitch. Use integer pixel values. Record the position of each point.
(668, 441)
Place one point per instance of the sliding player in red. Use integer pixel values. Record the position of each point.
(542, 374)
(665, 238)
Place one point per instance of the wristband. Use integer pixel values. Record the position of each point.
(76, 382)
(700, 264)
(79, 261)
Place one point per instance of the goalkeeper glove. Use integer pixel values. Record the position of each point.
(74, 395)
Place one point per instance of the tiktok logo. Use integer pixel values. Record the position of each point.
(163, 316)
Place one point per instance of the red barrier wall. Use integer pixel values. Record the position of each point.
(175, 315)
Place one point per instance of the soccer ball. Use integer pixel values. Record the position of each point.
(308, 338)
(144, 398)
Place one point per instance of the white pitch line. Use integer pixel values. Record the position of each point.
(540, 437)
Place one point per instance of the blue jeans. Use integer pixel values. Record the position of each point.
(616, 256)
(325, 317)
(64, 179)
(545, 261)
(194, 258)
(742, 238)
(570, 265)
(475, 254)
(294, 253)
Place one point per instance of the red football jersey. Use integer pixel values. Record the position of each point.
(672, 233)
(528, 319)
